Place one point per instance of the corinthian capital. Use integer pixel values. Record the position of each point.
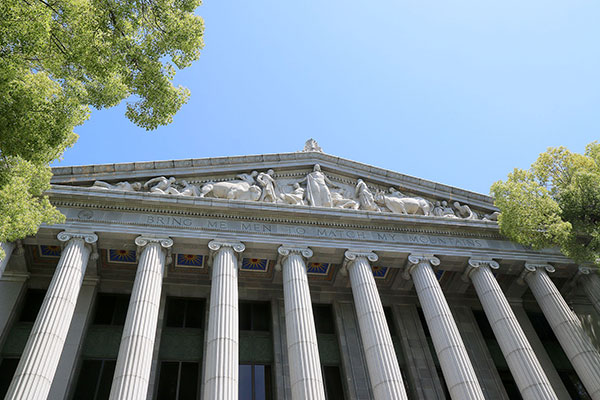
(415, 259)
(475, 263)
(88, 237)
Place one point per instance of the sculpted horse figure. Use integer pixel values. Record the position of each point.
(234, 190)
(400, 204)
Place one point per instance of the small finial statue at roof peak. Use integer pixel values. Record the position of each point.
(312, 145)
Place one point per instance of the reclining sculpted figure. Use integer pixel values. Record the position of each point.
(399, 204)
(232, 190)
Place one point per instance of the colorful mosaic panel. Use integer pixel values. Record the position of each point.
(189, 260)
(380, 272)
(122, 256)
(320, 269)
(439, 274)
(255, 264)
(50, 251)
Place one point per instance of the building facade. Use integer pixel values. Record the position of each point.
(287, 276)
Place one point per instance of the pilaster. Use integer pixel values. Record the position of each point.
(419, 361)
(8, 249)
(12, 290)
(590, 281)
(479, 353)
(282, 371)
(353, 357)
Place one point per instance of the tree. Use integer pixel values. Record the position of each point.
(58, 58)
(556, 203)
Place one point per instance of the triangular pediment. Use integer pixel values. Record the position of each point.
(284, 178)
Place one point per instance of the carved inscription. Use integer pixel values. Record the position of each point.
(168, 221)
(295, 230)
(222, 225)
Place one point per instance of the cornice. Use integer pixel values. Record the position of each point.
(248, 211)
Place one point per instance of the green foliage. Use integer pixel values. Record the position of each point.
(58, 58)
(23, 207)
(556, 203)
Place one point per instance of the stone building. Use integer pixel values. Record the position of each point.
(287, 276)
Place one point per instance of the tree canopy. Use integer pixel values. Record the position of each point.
(58, 58)
(556, 203)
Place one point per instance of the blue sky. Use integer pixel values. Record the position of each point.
(458, 92)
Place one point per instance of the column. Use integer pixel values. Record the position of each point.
(565, 325)
(8, 249)
(64, 378)
(222, 344)
(590, 281)
(449, 347)
(384, 372)
(39, 360)
(303, 351)
(520, 357)
(134, 361)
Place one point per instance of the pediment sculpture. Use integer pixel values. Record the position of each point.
(316, 189)
(398, 203)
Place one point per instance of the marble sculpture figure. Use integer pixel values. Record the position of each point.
(129, 187)
(263, 187)
(317, 191)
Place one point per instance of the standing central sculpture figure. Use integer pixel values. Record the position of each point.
(317, 192)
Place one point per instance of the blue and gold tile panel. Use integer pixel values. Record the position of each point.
(318, 269)
(255, 264)
(439, 274)
(380, 272)
(50, 251)
(122, 256)
(189, 260)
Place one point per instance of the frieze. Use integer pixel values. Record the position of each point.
(280, 229)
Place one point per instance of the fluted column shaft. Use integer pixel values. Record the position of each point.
(568, 330)
(520, 357)
(591, 286)
(384, 372)
(451, 352)
(8, 249)
(36, 369)
(303, 351)
(222, 344)
(134, 361)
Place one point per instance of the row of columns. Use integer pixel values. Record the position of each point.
(39, 360)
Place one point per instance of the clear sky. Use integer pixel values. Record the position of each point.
(458, 92)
